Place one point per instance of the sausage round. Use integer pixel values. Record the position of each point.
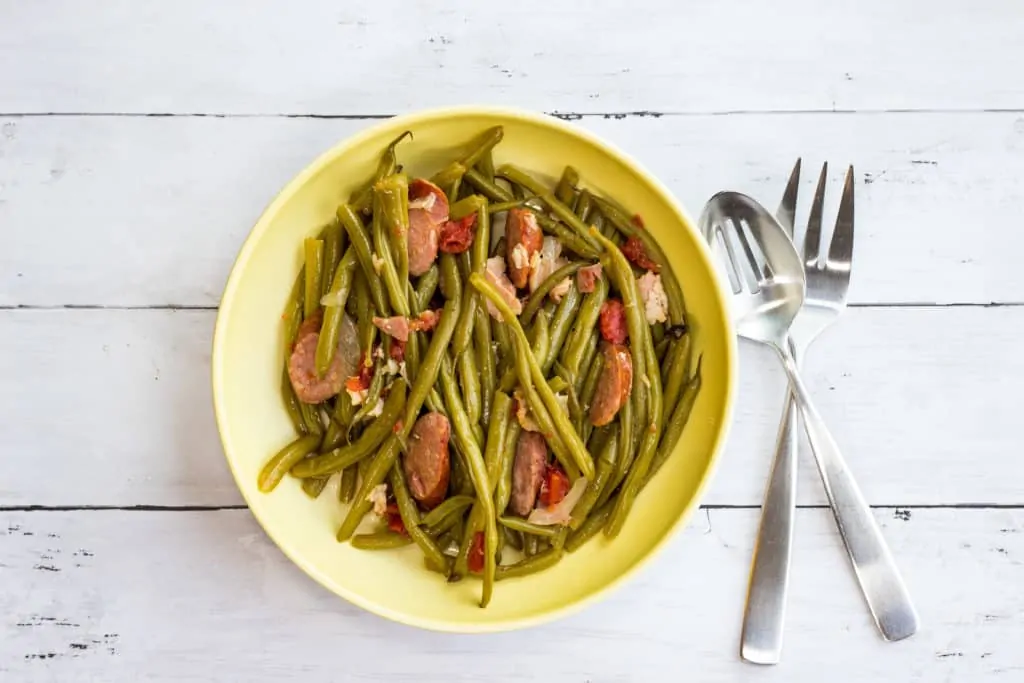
(428, 211)
(523, 239)
(308, 385)
(427, 465)
(613, 385)
(528, 472)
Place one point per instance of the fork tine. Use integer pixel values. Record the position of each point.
(812, 240)
(786, 214)
(840, 252)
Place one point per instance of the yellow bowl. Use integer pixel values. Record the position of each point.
(248, 348)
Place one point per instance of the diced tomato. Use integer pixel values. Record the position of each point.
(394, 519)
(475, 558)
(554, 487)
(457, 236)
(397, 429)
(613, 321)
(397, 350)
(633, 249)
(361, 381)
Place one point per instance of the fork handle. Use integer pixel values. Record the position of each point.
(763, 621)
(879, 579)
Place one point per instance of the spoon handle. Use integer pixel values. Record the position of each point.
(763, 622)
(879, 579)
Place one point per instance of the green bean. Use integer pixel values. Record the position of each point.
(503, 344)
(559, 209)
(627, 446)
(293, 313)
(459, 481)
(584, 205)
(497, 430)
(311, 419)
(275, 469)
(537, 298)
(618, 218)
(569, 239)
(590, 528)
(291, 403)
(595, 488)
(334, 246)
(539, 349)
(449, 179)
(360, 241)
(501, 207)
(347, 486)
(566, 189)
(557, 384)
(657, 333)
(678, 372)
(586, 322)
(394, 284)
(367, 331)
(561, 325)
(674, 427)
(340, 288)
(485, 165)
(489, 188)
(393, 194)
(450, 506)
(380, 540)
(425, 288)
(314, 486)
(590, 383)
(313, 249)
(660, 350)
(470, 381)
(411, 519)
(645, 361)
(503, 489)
(530, 544)
(378, 430)
(485, 361)
(521, 525)
(481, 146)
(464, 328)
(451, 281)
(530, 373)
(387, 455)
(448, 523)
(362, 198)
(589, 354)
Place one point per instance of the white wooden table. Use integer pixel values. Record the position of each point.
(139, 142)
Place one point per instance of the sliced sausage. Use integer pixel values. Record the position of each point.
(310, 387)
(614, 384)
(523, 239)
(427, 465)
(528, 472)
(428, 211)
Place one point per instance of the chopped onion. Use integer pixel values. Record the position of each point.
(451, 550)
(332, 298)
(561, 512)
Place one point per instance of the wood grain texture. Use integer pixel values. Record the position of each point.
(210, 597)
(122, 211)
(112, 407)
(319, 57)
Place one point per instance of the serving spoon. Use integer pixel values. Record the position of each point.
(769, 285)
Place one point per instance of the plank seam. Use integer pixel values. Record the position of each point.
(216, 508)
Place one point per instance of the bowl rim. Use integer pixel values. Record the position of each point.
(410, 120)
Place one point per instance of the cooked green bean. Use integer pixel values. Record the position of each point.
(485, 361)
(501, 207)
(595, 488)
(485, 165)
(497, 429)
(314, 486)
(311, 418)
(583, 328)
(559, 209)
(378, 430)
(450, 506)
(530, 545)
(584, 205)
(589, 354)
(389, 265)
(359, 239)
(464, 328)
(425, 288)
(489, 188)
(313, 250)
(481, 146)
(674, 427)
(590, 528)
(334, 246)
(627, 444)
(362, 198)
(530, 373)
(521, 525)
(347, 485)
(380, 540)
(449, 179)
(565, 191)
(331, 325)
(540, 295)
(393, 194)
(561, 325)
(411, 519)
(470, 382)
(372, 394)
(291, 403)
(660, 350)
(539, 348)
(503, 489)
(678, 373)
(674, 293)
(275, 469)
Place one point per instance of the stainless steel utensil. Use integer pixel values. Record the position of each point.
(769, 288)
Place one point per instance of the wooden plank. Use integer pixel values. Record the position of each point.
(112, 407)
(151, 211)
(206, 592)
(316, 57)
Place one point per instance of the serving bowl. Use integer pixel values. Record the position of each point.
(253, 424)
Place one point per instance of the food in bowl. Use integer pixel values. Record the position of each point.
(493, 367)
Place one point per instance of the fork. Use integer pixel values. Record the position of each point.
(828, 281)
